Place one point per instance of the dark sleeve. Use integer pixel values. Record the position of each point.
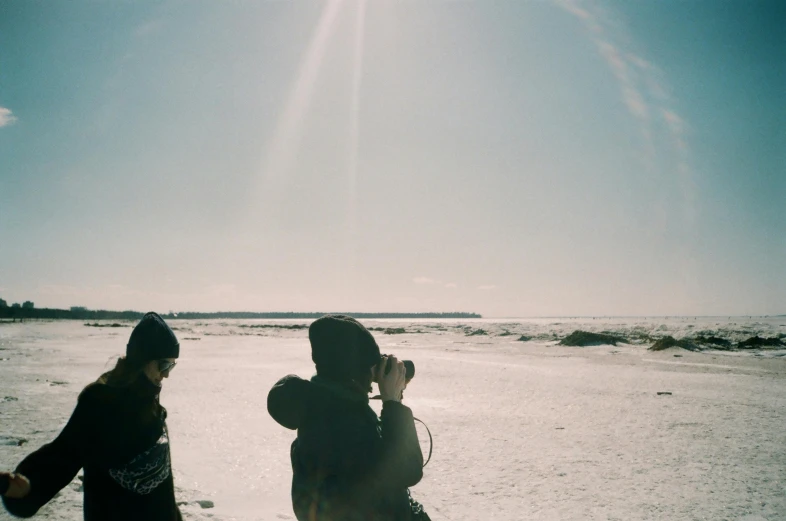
(400, 455)
(54, 465)
(350, 447)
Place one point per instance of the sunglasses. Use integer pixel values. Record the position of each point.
(165, 365)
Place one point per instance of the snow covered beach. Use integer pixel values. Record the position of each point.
(522, 429)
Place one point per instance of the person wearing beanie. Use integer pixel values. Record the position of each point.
(348, 464)
(117, 433)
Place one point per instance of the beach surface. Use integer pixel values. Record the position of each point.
(523, 428)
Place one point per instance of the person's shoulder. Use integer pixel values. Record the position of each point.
(97, 394)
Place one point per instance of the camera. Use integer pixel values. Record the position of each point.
(409, 366)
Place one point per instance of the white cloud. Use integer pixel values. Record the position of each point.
(424, 280)
(675, 122)
(635, 103)
(576, 10)
(639, 62)
(451, 285)
(644, 92)
(633, 73)
(486, 287)
(148, 27)
(6, 117)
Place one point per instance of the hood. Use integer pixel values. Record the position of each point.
(342, 348)
(287, 401)
(290, 398)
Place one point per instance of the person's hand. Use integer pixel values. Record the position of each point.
(391, 385)
(406, 383)
(18, 485)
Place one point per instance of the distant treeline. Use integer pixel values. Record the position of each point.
(100, 314)
(292, 314)
(81, 314)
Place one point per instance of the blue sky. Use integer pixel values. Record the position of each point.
(513, 158)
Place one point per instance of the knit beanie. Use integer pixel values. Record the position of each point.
(341, 347)
(152, 339)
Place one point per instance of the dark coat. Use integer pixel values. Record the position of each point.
(119, 437)
(347, 463)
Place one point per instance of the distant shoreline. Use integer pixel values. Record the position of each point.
(9, 314)
(87, 314)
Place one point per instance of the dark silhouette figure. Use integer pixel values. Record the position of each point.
(117, 434)
(348, 464)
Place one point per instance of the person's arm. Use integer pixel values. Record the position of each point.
(400, 457)
(54, 465)
(401, 460)
(351, 447)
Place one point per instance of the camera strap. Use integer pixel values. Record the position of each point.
(430, 438)
(430, 441)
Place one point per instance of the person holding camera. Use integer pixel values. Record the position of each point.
(349, 464)
(117, 434)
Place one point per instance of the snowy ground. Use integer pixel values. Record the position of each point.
(522, 430)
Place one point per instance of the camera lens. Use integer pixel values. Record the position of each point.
(409, 365)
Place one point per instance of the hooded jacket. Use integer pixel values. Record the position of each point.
(348, 464)
(119, 437)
